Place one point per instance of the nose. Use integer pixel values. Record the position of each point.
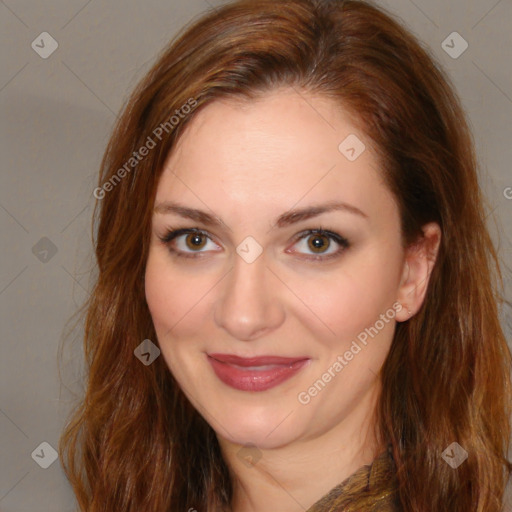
(248, 306)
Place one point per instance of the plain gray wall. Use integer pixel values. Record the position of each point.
(57, 114)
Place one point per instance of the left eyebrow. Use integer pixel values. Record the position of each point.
(189, 213)
(308, 212)
(286, 219)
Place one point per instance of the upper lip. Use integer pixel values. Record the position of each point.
(255, 361)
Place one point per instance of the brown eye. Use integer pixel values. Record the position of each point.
(189, 242)
(318, 243)
(195, 241)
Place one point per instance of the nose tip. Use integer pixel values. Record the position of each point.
(248, 306)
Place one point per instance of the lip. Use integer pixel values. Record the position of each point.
(255, 373)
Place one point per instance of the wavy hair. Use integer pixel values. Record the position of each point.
(135, 443)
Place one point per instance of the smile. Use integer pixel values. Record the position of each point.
(255, 373)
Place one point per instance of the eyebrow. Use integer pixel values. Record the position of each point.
(286, 219)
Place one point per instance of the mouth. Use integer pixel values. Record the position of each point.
(255, 373)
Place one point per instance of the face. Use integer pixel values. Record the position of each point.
(274, 267)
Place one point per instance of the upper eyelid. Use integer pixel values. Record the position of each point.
(186, 231)
(343, 243)
(299, 236)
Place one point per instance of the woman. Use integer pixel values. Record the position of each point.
(297, 300)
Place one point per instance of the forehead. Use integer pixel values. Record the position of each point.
(280, 129)
(274, 152)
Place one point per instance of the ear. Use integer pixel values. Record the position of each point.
(419, 261)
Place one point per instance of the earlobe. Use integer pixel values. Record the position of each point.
(420, 259)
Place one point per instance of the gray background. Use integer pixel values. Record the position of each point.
(57, 114)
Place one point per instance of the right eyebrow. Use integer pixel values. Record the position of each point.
(189, 213)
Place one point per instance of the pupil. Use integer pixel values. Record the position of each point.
(195, 241)
(317, 242)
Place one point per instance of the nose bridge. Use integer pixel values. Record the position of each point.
(249, 304)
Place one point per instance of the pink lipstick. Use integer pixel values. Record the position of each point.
(255, 373)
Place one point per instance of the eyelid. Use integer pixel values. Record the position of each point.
(344, 244)
(321, 231)
(172, 233)
(331, 235)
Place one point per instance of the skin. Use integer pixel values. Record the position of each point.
(247, 163)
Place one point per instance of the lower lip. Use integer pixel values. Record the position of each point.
(255, 380)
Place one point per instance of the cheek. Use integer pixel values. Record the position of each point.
(353, 298)
(159, 296)
(170, 299)
(172, 294)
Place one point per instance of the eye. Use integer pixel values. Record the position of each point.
(314, 244)
(320, 244)
(186, 242)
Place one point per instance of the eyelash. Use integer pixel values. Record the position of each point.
(344, 244)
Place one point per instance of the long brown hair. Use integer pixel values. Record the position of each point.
(135, 443)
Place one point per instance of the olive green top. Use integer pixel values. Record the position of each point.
(361, 486)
